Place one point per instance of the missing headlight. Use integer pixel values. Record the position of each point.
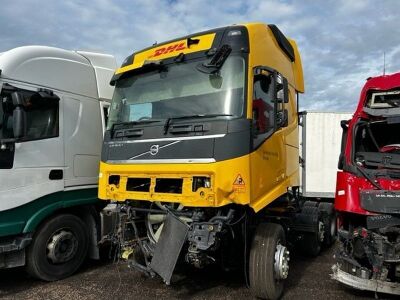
(200, 182)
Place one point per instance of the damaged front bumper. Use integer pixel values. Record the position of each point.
(188, 234)
(365, 284)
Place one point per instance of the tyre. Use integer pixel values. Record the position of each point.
(311, 242)
(58, 249)
(329, 220)
(269, 261)
(309, 203)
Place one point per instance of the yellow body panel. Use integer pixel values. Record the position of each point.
(274, 166)
(223, 190)
(267, 172)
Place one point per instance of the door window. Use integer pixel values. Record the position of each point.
(263, 104)
(40, 113)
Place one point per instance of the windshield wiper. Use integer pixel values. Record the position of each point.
(147, 121)
(366, 176)
(216, 61)
(168, 121)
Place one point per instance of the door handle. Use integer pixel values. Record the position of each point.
(56, 175)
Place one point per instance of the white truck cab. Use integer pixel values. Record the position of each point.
(53, 110)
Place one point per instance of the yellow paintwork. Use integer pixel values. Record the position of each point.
(222, 174)
(267, 172)
(169, 50)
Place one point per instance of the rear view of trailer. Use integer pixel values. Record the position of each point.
(320, 139)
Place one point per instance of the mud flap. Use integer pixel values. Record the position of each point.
(168, 247)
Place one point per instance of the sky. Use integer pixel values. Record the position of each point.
(341, 42)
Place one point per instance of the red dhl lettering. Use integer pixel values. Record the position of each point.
(169, 49)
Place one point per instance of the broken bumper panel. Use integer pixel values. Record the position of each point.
(364, 284)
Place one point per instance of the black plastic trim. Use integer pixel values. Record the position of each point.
(379, 201)
(283, 42)
(56, 175)
(7, 157)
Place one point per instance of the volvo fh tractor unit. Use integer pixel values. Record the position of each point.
(368, 191)
(52, 116)
(201, 157)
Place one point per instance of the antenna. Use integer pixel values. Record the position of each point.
(384, 62)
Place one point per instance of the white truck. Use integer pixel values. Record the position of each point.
(53, 111)
(320, 140)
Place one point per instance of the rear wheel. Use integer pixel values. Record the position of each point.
(58, 249)
(329, 220)
(311, 242)
(269, 261)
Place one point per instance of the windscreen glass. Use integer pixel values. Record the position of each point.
(384, 99)
(180, 89)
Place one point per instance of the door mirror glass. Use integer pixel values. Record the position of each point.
(282, 89)
(18, 115)
(19, 122)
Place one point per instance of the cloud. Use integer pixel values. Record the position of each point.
(341, 42)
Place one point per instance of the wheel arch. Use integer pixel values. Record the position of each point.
(87, 210)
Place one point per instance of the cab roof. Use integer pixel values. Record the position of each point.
(78, 72)
(378, 83)
(206, 40)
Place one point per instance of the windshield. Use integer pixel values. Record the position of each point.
(180, 90)
(384, 99)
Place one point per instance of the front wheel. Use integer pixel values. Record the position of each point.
(269, 261)
(59, 247)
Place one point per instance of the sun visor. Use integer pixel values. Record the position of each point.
(168, 50)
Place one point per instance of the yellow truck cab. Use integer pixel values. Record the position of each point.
(201, 156)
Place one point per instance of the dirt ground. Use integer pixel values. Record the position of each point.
(308, 279)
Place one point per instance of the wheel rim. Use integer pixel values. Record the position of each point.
(321, 231)
(62, 246)
(281, 265)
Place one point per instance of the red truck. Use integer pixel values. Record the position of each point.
(367, 197)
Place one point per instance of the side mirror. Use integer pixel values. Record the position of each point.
(19, 115)
(282, 118)
(282, 89)
(19, 122)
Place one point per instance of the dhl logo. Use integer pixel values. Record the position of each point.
(169, 49)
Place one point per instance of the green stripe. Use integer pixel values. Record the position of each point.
(25, 218)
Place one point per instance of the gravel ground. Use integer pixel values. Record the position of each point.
(308, 279)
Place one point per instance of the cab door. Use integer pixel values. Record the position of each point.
(37, 166)
(267, 161)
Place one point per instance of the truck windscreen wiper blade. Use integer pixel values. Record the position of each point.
(366, 176)
(216, 61)
(146, 121)
(169, 120)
